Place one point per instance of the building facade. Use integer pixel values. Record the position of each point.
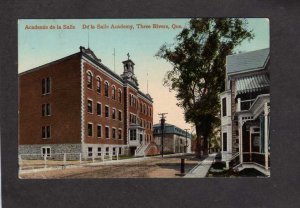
(176, 140)
(245, 111)
(78, 105)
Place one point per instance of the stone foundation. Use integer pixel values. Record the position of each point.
(57, 151)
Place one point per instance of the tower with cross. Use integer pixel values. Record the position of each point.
(128, 73)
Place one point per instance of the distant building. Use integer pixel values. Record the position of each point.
(175, 139)
(78, 105)
(245, 114)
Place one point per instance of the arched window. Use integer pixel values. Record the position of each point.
(98, 85)
(106, 89)
(120, 96)
(114, 92)
(89, 80)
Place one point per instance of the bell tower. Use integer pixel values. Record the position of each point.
(128, 73)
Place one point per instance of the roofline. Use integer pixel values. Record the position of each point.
(108, 70)
(145, 96)
(189, 136)
(251, 69)
(49, 64)
(102, 66)
(167, 124)
(250, 51)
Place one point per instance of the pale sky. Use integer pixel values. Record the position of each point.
(40, 46)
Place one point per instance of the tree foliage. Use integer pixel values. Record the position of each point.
(198, 59)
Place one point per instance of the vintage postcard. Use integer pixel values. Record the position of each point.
(144, 98)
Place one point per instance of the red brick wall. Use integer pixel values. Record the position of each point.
(65, 113)
(147, 117)
(100, 97)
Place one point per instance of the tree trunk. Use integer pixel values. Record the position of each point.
(198, 141)
(205, 146)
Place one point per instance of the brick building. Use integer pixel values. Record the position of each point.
(245, 115)
(78, 105)
(176, 140)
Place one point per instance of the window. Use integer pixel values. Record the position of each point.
(46, 150)
(113, 133)
(132, 118)
(90, 106)
(120, 115)
(120, 96)
(133, 134)
(107, 132)
(141, 107)
(90, 129)
(224, 141)
(150, 112)
(90, 151)
(144, 108)
(46, 132)
(89, 80)
(107, 150)
(106, 111)
(224, 107)
(120, 134)
(114, 151)
(98, 85)
(99, 131)
(114, 113)
(46, 85)
(120, 151)
(46, 110)
(114, 93)
(106, 89)
(99, 151)
(99, 109)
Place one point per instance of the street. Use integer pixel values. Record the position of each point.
(155, 167)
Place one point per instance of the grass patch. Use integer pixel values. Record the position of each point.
(217, 170)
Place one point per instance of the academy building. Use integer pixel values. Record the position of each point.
(78, 105)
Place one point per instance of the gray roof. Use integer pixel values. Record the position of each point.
(252, 83)
(248, 61)
(170, 129)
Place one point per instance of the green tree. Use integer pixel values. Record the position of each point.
(198, 60)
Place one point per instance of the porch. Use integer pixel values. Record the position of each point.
(254, 143)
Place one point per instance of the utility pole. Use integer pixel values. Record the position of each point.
(162, 126)
(186, 140)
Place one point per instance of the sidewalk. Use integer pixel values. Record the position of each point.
(202, 168)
